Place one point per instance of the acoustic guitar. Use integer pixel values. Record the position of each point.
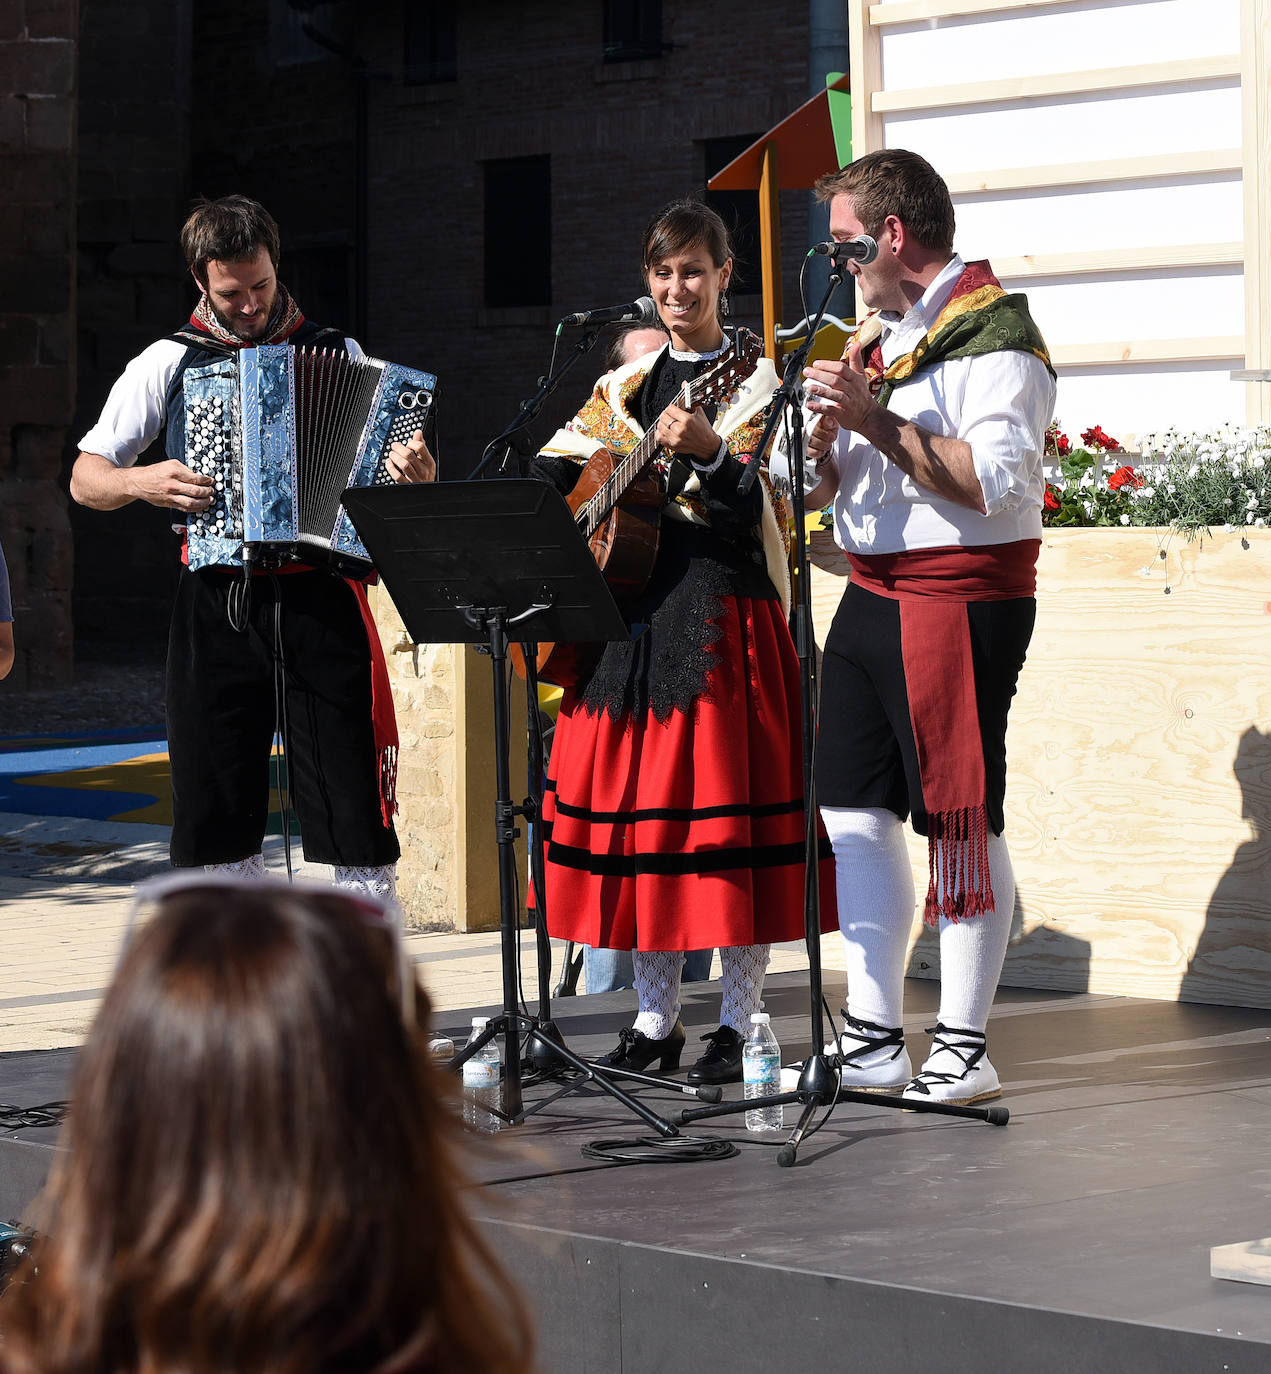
(617, 501)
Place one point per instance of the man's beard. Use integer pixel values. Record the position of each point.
(241, 328)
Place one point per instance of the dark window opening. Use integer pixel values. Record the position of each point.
(430, 43)
(738, 209)
(518, 231)
(290, 31)
(319, 277)
(633, 30)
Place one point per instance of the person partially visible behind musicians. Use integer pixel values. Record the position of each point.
(221, 710)
(673, 813)
(929, 442)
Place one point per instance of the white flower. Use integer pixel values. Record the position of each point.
(1125, 519)
(1250, 518)
(1252, 502)
(1191, 471)
(1259, 523)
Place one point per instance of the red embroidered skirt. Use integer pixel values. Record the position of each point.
(687, 834)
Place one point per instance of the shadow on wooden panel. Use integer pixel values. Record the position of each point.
(1233, 950)
(1038, 955)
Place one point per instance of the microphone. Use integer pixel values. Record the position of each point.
(642, 310)
(860, 249)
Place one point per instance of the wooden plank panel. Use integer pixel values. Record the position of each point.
(1121, 260)
(1255, 94)
(1102, 353)
(919, 11)
(1139, 802)
(1189, 69)
(1172, 165)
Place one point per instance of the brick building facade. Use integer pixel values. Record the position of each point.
(38, 60)
(419, 160)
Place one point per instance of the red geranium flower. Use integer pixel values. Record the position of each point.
(1124, 476)
(1051, 499)
(1096, 438)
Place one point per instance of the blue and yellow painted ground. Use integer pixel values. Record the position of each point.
(115, 775)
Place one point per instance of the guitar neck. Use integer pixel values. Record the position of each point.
(632, 467)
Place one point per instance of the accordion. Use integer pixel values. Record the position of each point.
(282, 432)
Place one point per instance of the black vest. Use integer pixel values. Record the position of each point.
(200, 350)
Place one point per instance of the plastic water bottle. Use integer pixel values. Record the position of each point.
(761, 1073)
(482, 1086)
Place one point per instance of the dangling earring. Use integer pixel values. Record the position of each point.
(725, 309)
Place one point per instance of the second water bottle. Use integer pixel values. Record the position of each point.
(761, 1074)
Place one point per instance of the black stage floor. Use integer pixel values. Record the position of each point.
(1077, 1238)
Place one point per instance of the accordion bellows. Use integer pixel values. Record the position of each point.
(283, 432)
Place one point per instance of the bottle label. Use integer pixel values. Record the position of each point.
(763, 1070)
(478, 1073)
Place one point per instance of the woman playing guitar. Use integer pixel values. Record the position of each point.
(674, 811)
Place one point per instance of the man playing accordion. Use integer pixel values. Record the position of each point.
(292, 648)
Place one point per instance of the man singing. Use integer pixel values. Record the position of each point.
(929, 440)
(305, 635)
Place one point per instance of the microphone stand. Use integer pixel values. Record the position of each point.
(820, 1084)
(547, 1054)
(531, 407)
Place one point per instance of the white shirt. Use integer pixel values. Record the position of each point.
(137, 405)
(999, 403)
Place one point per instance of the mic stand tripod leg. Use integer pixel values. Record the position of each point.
(494, 622)
(602, 1080)
(541, 1049)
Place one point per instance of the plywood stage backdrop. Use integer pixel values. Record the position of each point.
(1139, 794)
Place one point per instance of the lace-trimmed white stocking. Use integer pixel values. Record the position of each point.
(742, 969)
(378, 881)
(657, 984)
(251, 867)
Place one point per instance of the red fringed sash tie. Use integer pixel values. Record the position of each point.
(933, 587)
(383, 717)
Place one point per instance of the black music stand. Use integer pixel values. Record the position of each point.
(465, 562)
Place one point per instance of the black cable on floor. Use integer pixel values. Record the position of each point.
(653, 1149)
(47, 1114)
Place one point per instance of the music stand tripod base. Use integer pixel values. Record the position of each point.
(473, 563)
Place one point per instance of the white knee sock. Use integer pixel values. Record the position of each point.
(876, 907)
(971, 952)
(379, 880)
(742, 968)
(251, 867)
(657, 983)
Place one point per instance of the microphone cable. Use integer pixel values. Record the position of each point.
(653, 1149)
(282, 759)
(19, 1118)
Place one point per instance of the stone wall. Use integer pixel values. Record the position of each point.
(133, 188)
(37, 304)
(444, 694)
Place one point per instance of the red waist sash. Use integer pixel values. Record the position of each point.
(933, 587)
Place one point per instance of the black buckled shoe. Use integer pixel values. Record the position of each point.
(636, 1051)
(722, 1061)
